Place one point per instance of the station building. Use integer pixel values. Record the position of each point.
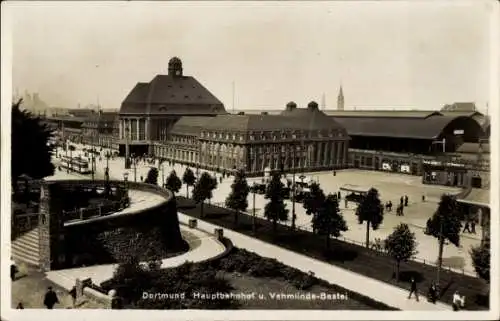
(176, 118)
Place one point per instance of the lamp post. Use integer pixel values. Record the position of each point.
(294, 217)
(254, 190)
(134, 161)
(125, 179)
(162, 174)
(127, 148)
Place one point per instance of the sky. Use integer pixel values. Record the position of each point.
(386, 55)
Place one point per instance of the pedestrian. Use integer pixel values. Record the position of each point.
(473, 226)
(458, 301)
(339, 196)
(220, 179)
(401, 200)
(413, 289)
(334, 173)
(432, 295)
(142, 179)
(72, 293)
(406, 200)
(466, 227)
(423, 198)
(390, 206)
(50, 298)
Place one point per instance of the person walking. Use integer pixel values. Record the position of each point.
(401, 201)
(413, 289)
(13, 270)
(50, 298)
(466, 227)
(473, 226)
(406, 200)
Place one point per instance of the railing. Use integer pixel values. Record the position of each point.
(22, 223)
(93, 211)
(377, 245)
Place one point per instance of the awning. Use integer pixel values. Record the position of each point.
(354, 188)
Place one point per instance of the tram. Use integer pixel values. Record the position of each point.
(76, 164)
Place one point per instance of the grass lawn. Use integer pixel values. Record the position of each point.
(267, 286)
(345, 255)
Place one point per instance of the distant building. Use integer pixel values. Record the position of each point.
(340, 100)
(101, 128)
(299, 139)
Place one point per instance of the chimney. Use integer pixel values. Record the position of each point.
(312, 106)
(291, 106)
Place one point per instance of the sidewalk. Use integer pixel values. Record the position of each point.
(376, 290)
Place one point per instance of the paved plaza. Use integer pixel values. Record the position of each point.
(391, 186)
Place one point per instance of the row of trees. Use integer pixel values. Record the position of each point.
(327, 220)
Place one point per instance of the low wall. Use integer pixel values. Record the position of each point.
(105, 239)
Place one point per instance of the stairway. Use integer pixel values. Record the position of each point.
(25, 248)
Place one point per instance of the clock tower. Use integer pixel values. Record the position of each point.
(175, 67)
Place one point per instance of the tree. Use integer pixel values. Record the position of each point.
(401, 245)
(329, 220)
(189, 179)
(480, 256)
(445, 224)
(370, 211)
(238, 199)
(152, 177)
(275, 209)
(314, 201)
(203, 189)
(30, 149)
(173, 182)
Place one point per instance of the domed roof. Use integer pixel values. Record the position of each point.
(312, 105)
(291, 104)
(174, 61)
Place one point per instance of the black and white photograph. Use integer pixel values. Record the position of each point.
(250, 160)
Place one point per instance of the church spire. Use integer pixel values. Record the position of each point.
(340, 99)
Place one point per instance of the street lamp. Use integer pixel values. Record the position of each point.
(162, 174)
(254, 190)
(127, 148)
(125, 179)
(134, 161)
(293, 196)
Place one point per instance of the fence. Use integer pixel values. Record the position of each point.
(376, 246)
(100, 210)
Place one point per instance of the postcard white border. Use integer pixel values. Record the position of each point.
(7, 313)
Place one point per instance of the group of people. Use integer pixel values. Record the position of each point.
(403, 202)
(51, 299)
(458, 301)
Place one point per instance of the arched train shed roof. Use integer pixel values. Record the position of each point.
(413, 128)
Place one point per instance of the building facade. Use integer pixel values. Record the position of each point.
(101, 129)
(299, 139)
(150, 110)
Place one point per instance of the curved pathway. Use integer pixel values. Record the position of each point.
(208, 248)
(374, 289)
